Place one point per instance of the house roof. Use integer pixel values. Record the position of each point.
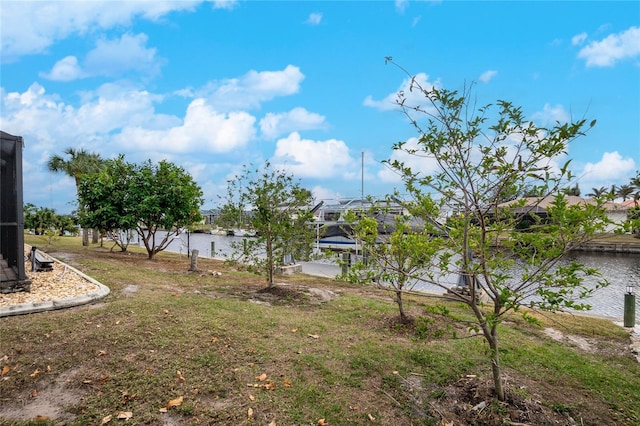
(542, 203)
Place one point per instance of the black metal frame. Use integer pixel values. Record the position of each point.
(11, 214)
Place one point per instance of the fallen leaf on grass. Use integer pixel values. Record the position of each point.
(126, 398)
(5, 370)
(250, 413)
(373, 419)
(48, 369)
(313, 336)
(322, 422)
(294, 330)
(34, 393)
(252, 398)
(287, 384)
(102, 353)
(273, 422)
(35, 373)
(124, 415)
(166, 311)
(175, 402)
(105, 420)
(268, 385)
(180, 376)
(214, 339)
(43, 418)
(262, 377)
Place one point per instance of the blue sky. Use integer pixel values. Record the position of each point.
(211, 86)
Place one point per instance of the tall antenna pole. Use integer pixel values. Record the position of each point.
(362, 177)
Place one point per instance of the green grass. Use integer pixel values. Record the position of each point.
(344, 359)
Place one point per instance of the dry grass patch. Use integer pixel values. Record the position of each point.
(174, 347)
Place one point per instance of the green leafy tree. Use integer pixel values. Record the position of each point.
(502, 268)
(66, 224)
(146, 197)
(280, 213)
(39, 219)
(633, 221)
(232, 213)
(106, 199)
(397, 248)
(78, 164)
(45, 222)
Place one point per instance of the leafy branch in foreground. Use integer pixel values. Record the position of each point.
(506, 255)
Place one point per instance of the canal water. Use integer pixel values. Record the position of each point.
(620, 269)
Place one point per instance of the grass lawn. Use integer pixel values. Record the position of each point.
(173, 347)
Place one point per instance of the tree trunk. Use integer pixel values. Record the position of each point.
(495, 365)
(403, 315)
(95, 234)
(269, 261)
(85, 236)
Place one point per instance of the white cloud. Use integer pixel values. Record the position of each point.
(578, 39)
(611, 49)
(611, 168)
(401, 5)
(316, 159)
(110, 58)
(486, 76)
(550, 115)
(224, 4)
(66, 69)
(321, 193)
(418, 164)
(51, 124)
(314, 19)
(114, 57)
(412, 94)
(253, 88)
(276, 124)
(30, 27)
(203, 130)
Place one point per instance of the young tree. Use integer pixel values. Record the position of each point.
(146, 197)
(397, 248)
(473, 161)
(280, 213)
(79, 164)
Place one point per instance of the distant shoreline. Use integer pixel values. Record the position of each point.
(612, 244)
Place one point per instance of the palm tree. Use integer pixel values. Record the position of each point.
(574, 190)
(635, 183)
(597, 192)
(79, 163)
(625, 191)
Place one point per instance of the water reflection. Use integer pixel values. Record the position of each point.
(620, 269)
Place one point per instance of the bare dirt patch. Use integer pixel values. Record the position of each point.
(47, 403)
